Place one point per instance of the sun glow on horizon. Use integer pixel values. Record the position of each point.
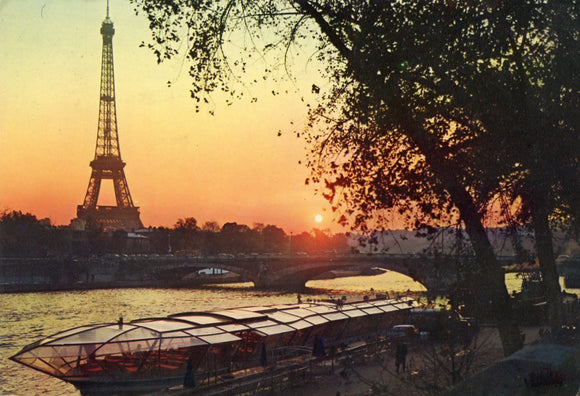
(318, 218)
(231, 167)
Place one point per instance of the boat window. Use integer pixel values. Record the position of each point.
(48, 351)
(261, 309)
(283, 317)
(92, 336)
(403, 305)
(116, 348)
(262, 323)
(301, 324)
(219, 338)
(389, 308)
(181, 342)
(316, 320)
(321, 308)
(233, 327)
(175, 334)
(284, 307)
(138, 333)
(380, 304)
(272, 330)
(300, 312)
(373, 311)
(239, 314)
(48, 368)
(69, 332)
(354, 313)
(199, 319)
(40, 364)
(363, 305)
(335, 316)
(202, 331)
(165, 325)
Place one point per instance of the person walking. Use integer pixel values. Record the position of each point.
(401, 356)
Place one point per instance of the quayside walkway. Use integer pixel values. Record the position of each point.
(282, 377)
(366, 368)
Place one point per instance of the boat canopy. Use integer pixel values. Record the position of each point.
(74, 353)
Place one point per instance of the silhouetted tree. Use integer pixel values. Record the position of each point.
(303, 243)
(118, 241)
(517, 136)
(187, 224)
(160, 239)
(23, 235)
(529, 102)
(274, 238)
(322, 241)
(389, 137)
(339, 243)
(235, 238)
(211, 226)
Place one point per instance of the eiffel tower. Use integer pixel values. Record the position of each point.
(107, 163)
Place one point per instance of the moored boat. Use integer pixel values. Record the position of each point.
(153, 353)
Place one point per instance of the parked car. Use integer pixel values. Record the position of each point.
(404, 331)
(441, 324)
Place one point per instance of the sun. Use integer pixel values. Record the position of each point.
(318, 218)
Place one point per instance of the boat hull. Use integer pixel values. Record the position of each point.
(125, 387)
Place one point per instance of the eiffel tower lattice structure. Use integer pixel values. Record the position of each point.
(107, 163)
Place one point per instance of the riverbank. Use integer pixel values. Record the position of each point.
(366, 370)
(377, 374)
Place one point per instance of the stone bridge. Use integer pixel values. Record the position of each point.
(268, 271)
(292, 272)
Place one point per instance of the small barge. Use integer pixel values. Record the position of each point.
(186, 348)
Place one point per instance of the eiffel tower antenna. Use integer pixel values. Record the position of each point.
(107, 163)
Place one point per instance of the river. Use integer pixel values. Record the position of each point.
(27, 317)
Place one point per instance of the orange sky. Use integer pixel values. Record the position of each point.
(229, 167)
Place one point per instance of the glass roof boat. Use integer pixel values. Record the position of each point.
(155, 353)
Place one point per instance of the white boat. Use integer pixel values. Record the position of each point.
(154, 353)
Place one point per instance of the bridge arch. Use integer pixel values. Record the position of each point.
(292, 272)
(296, 276)
(386, 281)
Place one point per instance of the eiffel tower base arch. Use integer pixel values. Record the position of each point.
(110, 218)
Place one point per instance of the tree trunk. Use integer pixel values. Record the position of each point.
(495, 278)
(493, 273)
(544, 249)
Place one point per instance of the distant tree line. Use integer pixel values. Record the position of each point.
(187, 237)
(24, 235)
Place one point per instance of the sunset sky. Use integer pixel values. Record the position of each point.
(227, 167)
